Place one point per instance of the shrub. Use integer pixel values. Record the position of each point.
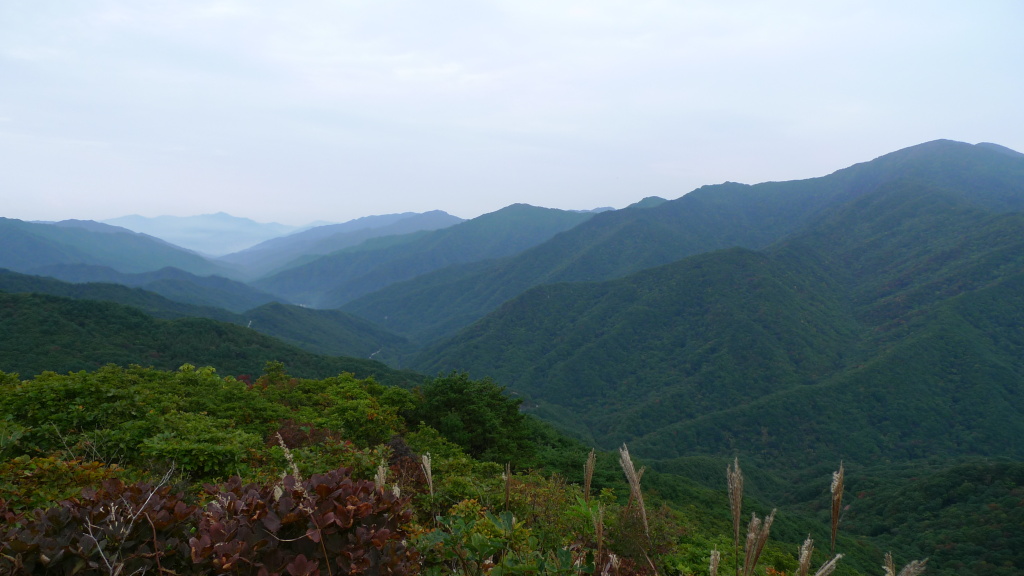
(303, 527)
(477, 415)
(116, 529)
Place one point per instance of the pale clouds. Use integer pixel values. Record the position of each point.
(320, 109)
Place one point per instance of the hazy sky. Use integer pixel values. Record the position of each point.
(333, 109)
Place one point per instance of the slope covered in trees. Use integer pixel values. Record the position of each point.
(335, 279)
(171, 283)
(896, 306)
(615, 244)
(284, 252)
(327, 332)
(47, 333)
(29, 245)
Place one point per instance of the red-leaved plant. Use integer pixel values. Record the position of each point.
(116, 529)
(329, 524)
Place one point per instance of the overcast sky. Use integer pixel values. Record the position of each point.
(334, 109)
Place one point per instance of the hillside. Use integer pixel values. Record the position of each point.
(407, 479)
(337, 278)
(792, 350)
(40, 333)
(149, 302)
(626, 358)
(284, 252)
(885, 332)
(30, 246)
(615, 244)
(171, 283)
(330, 332)
(327, 332)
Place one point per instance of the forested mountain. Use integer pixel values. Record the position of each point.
(47, 333)
(29, 246)
(337, 278)
(301, 247)
(172, 283)
(895, 304)
(884, 331)
(329, 332)
(149, 302)
(614, 244)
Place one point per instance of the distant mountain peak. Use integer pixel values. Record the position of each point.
(998, 148)
(648, 202)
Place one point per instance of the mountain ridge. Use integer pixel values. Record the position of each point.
(331, 280)
(615, 244)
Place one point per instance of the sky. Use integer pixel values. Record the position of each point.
(329, 110)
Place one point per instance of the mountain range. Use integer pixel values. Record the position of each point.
(335, 279)
(685, 356)
(301, 247)
(872, 315)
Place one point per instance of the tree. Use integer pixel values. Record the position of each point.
(477, 415)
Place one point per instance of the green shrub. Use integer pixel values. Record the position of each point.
(198, 444)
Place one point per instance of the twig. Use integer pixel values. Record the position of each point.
(159, 568)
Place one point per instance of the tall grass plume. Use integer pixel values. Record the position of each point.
(838, 479)
(914, 568)
(635, 494)
(588, 474)
(734, 481)
(757, 536)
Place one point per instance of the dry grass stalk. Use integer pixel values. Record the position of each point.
(716, 557)
(805, 557)
(804, 567)
(427, 472)
(889, 567)
(635, 494)
(613, 562)
(588, 474)
(507, 477)
(757, 537)
(734, 480)
(828, 567)
(838, 479)
(291, 459)
(599, 532)
(914, 568)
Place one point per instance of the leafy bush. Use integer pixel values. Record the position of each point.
(303, 527)
(29, 483)
(116, 529)
(200, 444)
(327, 524)
(477, 415)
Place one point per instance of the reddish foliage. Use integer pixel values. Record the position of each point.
(299, 528)
(328, 524)
(134, 527)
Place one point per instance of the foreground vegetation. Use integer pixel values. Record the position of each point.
(120, 470)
